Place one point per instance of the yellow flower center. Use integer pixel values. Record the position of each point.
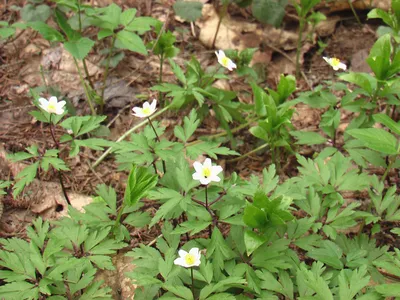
(206, 172)
(335, 62)
(51, 107)
(146, 110)
(190, 259)
(225, 61)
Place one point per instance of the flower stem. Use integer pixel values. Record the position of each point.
(85, 87)
(58, 171)
(159, 141)
(118, 219)
(106, 72)
(221, 16)
(208, 209)
(127, 133)
(192, 288)
(354, 12)
(160, 77)
(301, 28)
(391, 162)
(248, 153)
(221, 134)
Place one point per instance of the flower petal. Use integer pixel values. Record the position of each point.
(215, 178)
(61, 104)
(198, 167)
(146, 105)
(43, 102)
(197, 176)
(205, 181)
(182, 253)
(194, 252)
(180, 261)
(207, 163)
(59, 111)
(342, 66)
(153, 105)
(216, 170)
(53, 100)
(137, 109)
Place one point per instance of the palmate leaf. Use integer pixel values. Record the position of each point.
(97, 290)
(82, 124)
(329, 253)
(308, 137)
(92, 143)
(190, 124)
(311, 282)
(212, 149)
(222, 285)
(140, 182)
(218, 251)
(25, 177)
(174, 199)
(352, 282)
(19, 290)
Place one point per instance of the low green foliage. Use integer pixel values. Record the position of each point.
(268, 236)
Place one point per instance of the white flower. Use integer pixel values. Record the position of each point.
(206, 172)
(146, 111)
(225, 61)
(335, 63)
(187, 260)
(52, 106)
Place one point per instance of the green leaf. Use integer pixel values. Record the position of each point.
(389, 290)
(190, 124)
(188, 10)
(312, 279)
(82, 125)
(388, 122)
(253, 216)
(179, 290)
(269, 11)
(128, 16)
(379, 57)
(79, 49)
(252, 241)
(62, 21)
(25, 177)
(140, 182)
(6, 32)
(31, 13)
(308, 137)
(19, 290)
(376, 139)
(177, 70)
(130, 41)
(48, 33)
(174, 198)
(219, 251)
(329, 253)
(364, 80)
(191, 226)
(142, 24)
(352, 282)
